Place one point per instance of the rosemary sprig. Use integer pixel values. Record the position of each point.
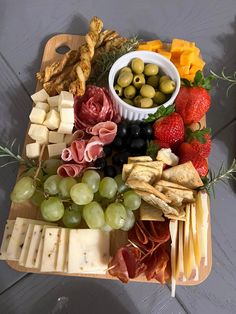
(223, 176)
(8, 152)
(228, 78)
(104, 61)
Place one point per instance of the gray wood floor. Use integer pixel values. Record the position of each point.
(25, 27)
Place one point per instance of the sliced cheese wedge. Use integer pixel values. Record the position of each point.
(62, 250)
(187, 266)
(180, 259)
(194, 274)
(173, 234)
(25, 248)
(6, 239)
(50, 249)
(196, 244)
(88, 251)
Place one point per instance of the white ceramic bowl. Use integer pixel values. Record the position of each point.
(130, 112)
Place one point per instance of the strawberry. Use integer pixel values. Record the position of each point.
(193, 100)
(200, 141)
(187, 153)
(169, 131)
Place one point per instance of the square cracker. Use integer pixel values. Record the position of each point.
(184, 174)
(156, 169)
(132, 160)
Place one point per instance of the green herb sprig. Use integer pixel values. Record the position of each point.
(161, 112)
(228, 78)
(200, 81)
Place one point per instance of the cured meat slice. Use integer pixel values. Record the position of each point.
(77, 151)
(66, 154)
(105, 130)
(70, 170)
(94, 149)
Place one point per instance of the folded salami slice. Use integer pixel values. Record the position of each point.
(70, 170)
(105, 130)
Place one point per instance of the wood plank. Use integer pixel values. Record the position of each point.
(28, 211)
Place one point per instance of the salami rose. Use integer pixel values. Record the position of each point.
(93, 107)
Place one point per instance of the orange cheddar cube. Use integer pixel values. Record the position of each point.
(144, 47)
(165, 53)
(155, 44)
(193, 69)
(186, 58)
(198, 62)
(189, 77)
(183, 70)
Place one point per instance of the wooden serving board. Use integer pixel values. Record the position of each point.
(118, 238)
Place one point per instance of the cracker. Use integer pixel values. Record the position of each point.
(132, 160)
(149, 212)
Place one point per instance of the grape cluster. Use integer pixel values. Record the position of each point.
(103, 203)
(131, 140)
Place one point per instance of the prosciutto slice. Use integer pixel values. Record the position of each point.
(105, 130)
(66, 154)
(77, 151)
(70, 170)
(94, 149)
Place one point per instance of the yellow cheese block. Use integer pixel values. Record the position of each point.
(186, 58)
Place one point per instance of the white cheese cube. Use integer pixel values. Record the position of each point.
(67, 115)
(68, 139)
(33, 150)
(55, 150)
(6, 238)
(42, 105)
(65, 128)
(55, 137)
(52, 120)
(41, 95)
(37, 115)
(88, 251)
(66, 100)
(166, 155)
(39, 133)
(50, 249)
(62, 250)
(53, 101)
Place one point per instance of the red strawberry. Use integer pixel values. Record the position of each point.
(169, 131)
(192, 103)
(200, 141)
(187, 153)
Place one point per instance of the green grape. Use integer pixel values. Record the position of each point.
(122, 187)
(51, 185)
(106, 228)
(93, 215)
(97, 197)
(45, 177)
(115, 215)
(71, 218)
(31, 173)
(77, 208)
(108, 187)
(129, 221)
(92, 178)
(81, 194)
(23, 190)
(37, 198)
(65, 186)
(132, 201)
(52, 209)
(50, 165)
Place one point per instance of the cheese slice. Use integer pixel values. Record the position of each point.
(62, 250)
(180, 259)
(39, 250)
(18, 237)
(196, 244)
(6, 238)
(187, 266)
(50, 250)
(25, 248)
(88, 251)
(194, 274)
(173, 234)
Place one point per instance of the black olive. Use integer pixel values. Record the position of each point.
(117, 143)
(122, 130)
(138, 144)
(120, 158)
(100, 163)
(134, 130)
(107, 150)
(110, 171)
(147, 132)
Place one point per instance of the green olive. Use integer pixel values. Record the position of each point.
(125, 69)
(151, 69)
(153, 81)
(137, 65)
(137, 100)
(125, 79)
(146, 103)
(167, 86)
(147, 91)
(128, 101)
(129, 92)
(163, 78)
(159, 98)
(118, 89)
(139, 80)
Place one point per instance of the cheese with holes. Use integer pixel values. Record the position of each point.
(39, 133)
(88, 251)
(67, 115)
(55, 150)
(62, 250)
(18, 237)
(6, 238)
(37, 115)
(42, 105)
(53, 101)
(66, 100)
(50, 249)
(33, 150)
(65, 128)
(41, 95)
(52, 120)
(55, 137)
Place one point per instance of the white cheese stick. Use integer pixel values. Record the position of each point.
(180, 259)
(41, 95)
(173, 225)
(196, 244)
(50, 250)
(62, 250)
(88, 251)
(187, 266)
(6, 238)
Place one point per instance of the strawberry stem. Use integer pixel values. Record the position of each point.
(200, 81)
(197, 135)
(160, 113)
